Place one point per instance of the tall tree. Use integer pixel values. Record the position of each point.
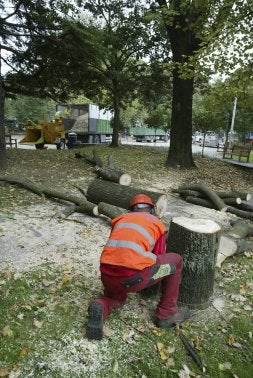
(120, 35)
(21, 22)
(195, 28)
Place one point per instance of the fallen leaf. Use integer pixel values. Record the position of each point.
(4, 372)
(66, 278)
(230, 341)
(115, 366)
(7, 331)
(24, 352)
(225, 366)
(37, 323)
(170, 362)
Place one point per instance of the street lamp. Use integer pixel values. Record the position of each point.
(231, 136)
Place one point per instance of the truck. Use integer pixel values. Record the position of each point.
(86, 123)
(146, 134)
(74, 124)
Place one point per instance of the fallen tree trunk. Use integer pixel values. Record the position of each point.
(119, 195)
(210, 194)
(81, 205)
(52, 193)
(23, 183)
(196, 240)
(93, 160)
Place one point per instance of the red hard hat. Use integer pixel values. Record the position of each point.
(141, 198)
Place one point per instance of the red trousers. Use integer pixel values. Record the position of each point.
(115, 291)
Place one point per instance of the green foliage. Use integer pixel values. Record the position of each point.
(25, 108)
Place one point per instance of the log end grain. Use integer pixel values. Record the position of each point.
(161, 205)
(125, 179)
(205, 226)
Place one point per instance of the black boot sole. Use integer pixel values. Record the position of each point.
(94, 328)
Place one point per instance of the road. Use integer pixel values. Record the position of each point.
(208, 151)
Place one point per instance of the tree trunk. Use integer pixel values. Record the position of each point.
(116, 117)
(180, 151)
(3, 152)
(196, 240)
(183, 43)
(118, 195)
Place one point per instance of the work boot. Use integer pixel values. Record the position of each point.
(94, 328)
(180, 316)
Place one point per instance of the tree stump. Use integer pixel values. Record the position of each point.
(197, 241)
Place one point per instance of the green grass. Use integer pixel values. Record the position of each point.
(42, 326)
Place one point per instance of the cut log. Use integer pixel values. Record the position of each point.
(210, 194)
(240, 213)
(234, 193)
(113, 175)
(197, 241)
(93, 160)
(119, 195)
(244, 206)
(113, 165)
(233, 241)
(240, 229)
(232, 201)
(230, 246)
(200, 202)
(109, 210)
(193, 193)
(23, 183)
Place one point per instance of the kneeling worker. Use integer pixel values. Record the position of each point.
(133, 259)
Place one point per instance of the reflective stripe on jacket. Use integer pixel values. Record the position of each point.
(132, 240)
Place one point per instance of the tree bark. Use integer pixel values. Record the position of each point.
(233, 241)
(113, 175)
(196, 240)
(110, 211)
(3, 152)
(210, 194)
(119, 195)
(93, 160)
(235, 193)
(240, 213)
(23, 183)
(184, 44)
(200, 202)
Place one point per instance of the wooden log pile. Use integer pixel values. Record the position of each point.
(238, 238)
(234, 202)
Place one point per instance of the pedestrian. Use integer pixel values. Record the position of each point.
(58, 142)
(134, 258)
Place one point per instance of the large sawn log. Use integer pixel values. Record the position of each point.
(197, 241)
(119, 195)
(233, 241)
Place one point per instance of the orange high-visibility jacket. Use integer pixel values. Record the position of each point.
(132, 240)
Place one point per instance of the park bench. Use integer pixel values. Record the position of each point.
(9, 141)
(237, 151)
(222, 146)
